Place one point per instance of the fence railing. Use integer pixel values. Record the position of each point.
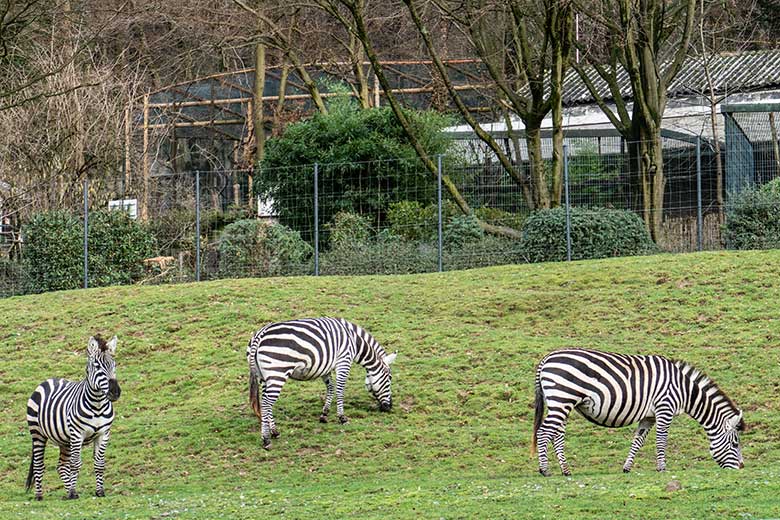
(369, 217)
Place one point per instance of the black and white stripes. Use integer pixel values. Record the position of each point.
(73, 414)
(616, 390)
(305, 349)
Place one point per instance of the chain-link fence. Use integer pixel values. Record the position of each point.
(399, 216)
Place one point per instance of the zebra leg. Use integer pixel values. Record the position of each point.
(558, 443)
(342, 374)
(272, 387)
(75, 466)
(639, 440)
(328, 398)
(38, 450)
(552, 429)
(63, 466)
(663, 421)
(100, 462)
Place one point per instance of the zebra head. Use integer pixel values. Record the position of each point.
(101, 368)
(724, 444)
(378, 382)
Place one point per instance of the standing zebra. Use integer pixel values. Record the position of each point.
(72, 414)
(308, 348)
(616, 390)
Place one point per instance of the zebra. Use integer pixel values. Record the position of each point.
(616, 390)
(304, 349)
(72, 414)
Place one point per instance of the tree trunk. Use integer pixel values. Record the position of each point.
(259, 90)
(539, 193)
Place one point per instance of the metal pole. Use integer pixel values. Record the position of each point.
(197, 226)
(86, 233)
(438, 168)
(568, 205)
(316, 220)
(699, 216)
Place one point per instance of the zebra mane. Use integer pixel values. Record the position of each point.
(101, 342)
(701, 379)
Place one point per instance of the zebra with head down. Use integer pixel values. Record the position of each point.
(616, 390)
(308, 348)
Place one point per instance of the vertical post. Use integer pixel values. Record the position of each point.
(316, 220)
(145, 155)
(197, 226)
(128, 134)
(568, 205)
(699, 216)
(86, 233)
(438, 198)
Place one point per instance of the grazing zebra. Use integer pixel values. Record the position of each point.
(308, 348)
(72, 414)
(616, 390)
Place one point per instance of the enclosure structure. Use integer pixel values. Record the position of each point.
(752, 144)
(208, 124)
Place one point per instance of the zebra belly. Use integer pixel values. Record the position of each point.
(614, 417)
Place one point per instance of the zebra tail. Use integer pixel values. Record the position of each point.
(254, 391)
(538, 414)
(28, 484)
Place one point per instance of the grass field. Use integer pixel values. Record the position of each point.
(185, 443)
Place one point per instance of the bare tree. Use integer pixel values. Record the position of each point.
(650, 40)
(525, 47)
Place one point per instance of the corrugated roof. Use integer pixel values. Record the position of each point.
(734, 72)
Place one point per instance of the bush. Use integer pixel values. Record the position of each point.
(413, 221)
(367, 163)
(488, 250)
(753, 218)
(460, 230)
(595, 233)
(383, 254)
(53, 250)
(347, 229)
(255, 248)
(500, 217)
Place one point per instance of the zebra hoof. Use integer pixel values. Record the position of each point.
(71, 496)
(274, 433)
(38, 498)
(545, 472)
(266, 444)
(100, 493)
(323, 418)
(567, 473)
(343, 419)
(626, 470)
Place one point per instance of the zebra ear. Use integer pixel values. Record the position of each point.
(734, 422)
(111, 345)
(93, 347)
(389, 359)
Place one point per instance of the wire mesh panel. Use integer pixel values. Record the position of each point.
(42, 236)
(377, 217)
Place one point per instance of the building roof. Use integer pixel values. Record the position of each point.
(731, 72)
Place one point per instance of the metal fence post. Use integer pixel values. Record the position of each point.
(699, 216)
(316, 219)
(197, 226)
(86, 233)
(568, 205)
(439, 233)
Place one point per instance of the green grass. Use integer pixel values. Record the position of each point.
(185, 443)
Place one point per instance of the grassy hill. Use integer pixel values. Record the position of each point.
(185, 443)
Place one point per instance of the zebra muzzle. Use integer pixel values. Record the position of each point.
(385, 406)
(113, 390)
